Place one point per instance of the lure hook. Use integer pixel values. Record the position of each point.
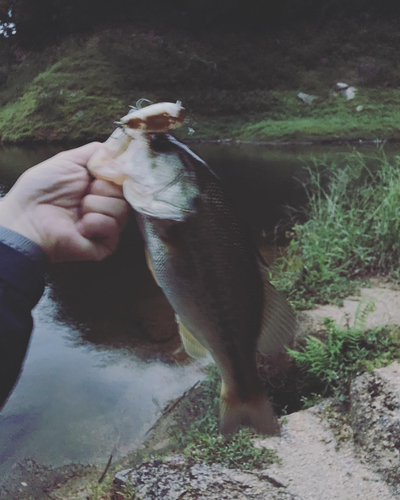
(140, 103)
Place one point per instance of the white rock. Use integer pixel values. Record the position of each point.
(341, 86)
(345, 90)
(349, 93)
(307, 98)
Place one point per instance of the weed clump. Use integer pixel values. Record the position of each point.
(325, 367)
(350, 228)
(202, 442)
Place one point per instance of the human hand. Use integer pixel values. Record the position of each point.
(58, 206)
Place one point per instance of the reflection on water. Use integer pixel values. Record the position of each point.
(75, 403)
(101, 357)
(15, 160)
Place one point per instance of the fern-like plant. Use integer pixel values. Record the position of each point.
(327, 365)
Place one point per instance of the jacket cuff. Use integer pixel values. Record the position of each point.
(24, 245)
(22, 264)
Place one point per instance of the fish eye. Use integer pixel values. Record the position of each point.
(160, 143)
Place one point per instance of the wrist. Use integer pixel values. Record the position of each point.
(14, 218)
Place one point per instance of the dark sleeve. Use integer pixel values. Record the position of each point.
(21, 286)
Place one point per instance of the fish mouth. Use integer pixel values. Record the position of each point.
(159, 117)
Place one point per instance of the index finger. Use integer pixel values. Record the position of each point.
(101, 187)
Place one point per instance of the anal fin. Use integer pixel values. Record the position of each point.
(278, 320)
(190, 343)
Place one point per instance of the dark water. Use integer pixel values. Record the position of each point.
(101, 364)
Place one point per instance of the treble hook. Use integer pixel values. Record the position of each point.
(141, 101)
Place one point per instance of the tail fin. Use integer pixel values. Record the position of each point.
(256, 412)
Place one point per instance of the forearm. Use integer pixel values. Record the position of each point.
(22, 265)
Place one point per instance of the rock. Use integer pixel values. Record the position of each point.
(375, 417)
(30, 480)
(341, 86)
(177, 477)
(318, 459)
(345, 90)
(382, 297)
(307, 98)
(349, 93)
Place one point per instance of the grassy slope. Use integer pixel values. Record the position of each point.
(233, 87)
(349, 229)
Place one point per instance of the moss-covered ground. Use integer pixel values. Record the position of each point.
(239, 87)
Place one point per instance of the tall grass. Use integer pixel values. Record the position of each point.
(351, 229)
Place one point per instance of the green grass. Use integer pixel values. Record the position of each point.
(350, 228)
(241, 87)
(197, 437)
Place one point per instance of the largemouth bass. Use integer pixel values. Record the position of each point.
(202, 256)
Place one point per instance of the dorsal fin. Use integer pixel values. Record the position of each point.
(279, 323)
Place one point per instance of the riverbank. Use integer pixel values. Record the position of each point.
(234, 87)
(328, 435)
(329, 251)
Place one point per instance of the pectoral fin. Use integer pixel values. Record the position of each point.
(278, 321)
(192, 345)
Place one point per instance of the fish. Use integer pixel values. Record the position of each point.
(202, 255)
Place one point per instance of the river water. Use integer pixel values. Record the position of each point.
(102, 360)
